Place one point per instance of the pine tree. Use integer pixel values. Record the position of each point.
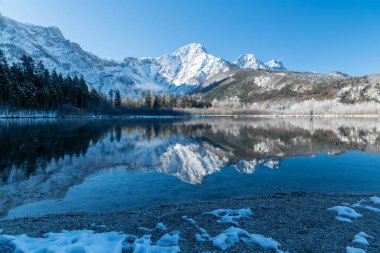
(157, 102)
(4, 79)
(149, 100)
(46, 90)
(111, 94)
(165, 100)
(83, 92)
(117, 100)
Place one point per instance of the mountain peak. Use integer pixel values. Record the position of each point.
(248, 61)
(275, 65)
(248, 57)
(192, 48)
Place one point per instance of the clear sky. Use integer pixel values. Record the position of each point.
(308, 35)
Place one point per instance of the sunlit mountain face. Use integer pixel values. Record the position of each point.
(45, 160)
(179, 72)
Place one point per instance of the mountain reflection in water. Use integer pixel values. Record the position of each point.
(43, 159)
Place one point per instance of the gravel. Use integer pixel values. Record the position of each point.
(299, 221)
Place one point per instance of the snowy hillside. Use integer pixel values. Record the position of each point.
(182, 71)
(282, 90)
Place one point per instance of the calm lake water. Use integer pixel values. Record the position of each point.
(54, 166)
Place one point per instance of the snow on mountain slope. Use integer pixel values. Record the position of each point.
(181, 71)
(47, 44)
(275, 65)
(249, 61)
(193, 65)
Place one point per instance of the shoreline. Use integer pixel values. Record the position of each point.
(184, 116)
(299, 221)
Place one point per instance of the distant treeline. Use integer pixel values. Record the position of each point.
(28, 85)
(163, 101)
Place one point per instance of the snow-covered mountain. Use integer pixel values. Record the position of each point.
(249, 61)
(182, 71)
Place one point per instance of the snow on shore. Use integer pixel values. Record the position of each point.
(344, 213)
(361, 238)
(229, 237)
(360, 204)
(375, 200)
(233, 235)
(88, 241)
(228, 215)
(354, 250)
(159, 226)
(168, 243)
(85, 241)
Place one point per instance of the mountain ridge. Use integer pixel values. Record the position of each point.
(182, 71)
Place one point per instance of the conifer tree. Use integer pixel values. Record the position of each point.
(110, 94)
(149, 100)
(117, 100)
(157, 102)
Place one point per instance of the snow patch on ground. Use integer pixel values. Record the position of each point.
(228, 215)
(339, 218)
(360, 204)
(192, 221)
(375, 200)
(354, 250)
(159, 226)
(168, 243)
(233, 235)
(199, 237)
(84, 241)
(345, 211)
(361, 238)
(373, 209)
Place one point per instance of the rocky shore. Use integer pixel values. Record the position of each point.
(299, 222)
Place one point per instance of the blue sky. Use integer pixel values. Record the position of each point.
(309, 35)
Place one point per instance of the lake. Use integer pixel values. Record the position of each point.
(63, 165)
